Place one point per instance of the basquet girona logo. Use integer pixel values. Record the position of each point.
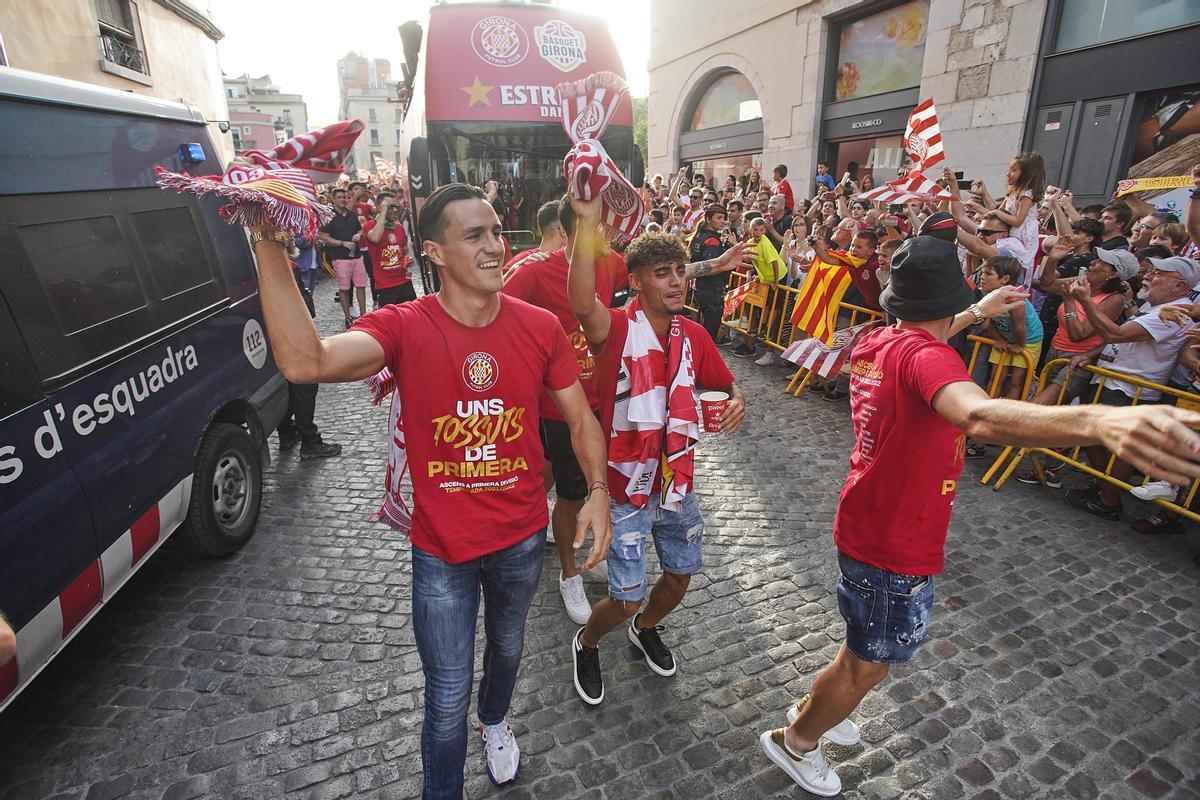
(480, 371)
(500, 41)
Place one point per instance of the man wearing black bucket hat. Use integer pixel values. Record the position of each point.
(910, 394)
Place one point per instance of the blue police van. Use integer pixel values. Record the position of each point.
(137, 389)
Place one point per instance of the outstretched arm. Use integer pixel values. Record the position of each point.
(1158, 440)
(301, 354)
(1192, 220)
(740, 255)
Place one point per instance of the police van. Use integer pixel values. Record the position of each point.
(137, 389)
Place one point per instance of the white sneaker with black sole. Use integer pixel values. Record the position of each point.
(575, 598)
(503, 755)
(811, 770)
(588, 680)
(844, 733)
(1155, 490)
(658, 657)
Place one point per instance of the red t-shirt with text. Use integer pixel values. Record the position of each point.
(389, 258)
(708, 372)
(469, 399)
(784, 188)
(544, 284)
(894, 510)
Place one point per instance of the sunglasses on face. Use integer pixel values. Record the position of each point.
(988, 232)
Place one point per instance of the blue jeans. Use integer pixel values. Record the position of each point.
(445, 604)
(309, 279)
(887, 614)
(678, 538)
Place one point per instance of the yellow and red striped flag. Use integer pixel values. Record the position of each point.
(817, 304)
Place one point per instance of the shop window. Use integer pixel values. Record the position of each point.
(881, 157)
(881, 53)
(728, 99)
(1084, 23)
(1164, 130)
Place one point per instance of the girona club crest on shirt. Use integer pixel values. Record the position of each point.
(480, 371)
(562, 46)
(500, 41)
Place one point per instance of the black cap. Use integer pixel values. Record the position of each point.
(926, 282)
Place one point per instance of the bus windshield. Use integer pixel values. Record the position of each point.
(526, 159)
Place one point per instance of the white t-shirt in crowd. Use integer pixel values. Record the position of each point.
(690, 218)
(1151, 360)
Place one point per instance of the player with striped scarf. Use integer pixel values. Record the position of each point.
(649, 361)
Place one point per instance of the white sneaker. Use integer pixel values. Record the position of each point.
(810, 771)
(575, 599)
(844, 733)
(766, 359)
(1155, 490)
(503, 755)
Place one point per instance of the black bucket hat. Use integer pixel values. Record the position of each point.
(927, 281)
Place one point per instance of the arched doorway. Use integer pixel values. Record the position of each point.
(723, 130)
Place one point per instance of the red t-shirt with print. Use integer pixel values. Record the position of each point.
(389, 258)
(469, 399)
(895, 507)
(544, 284)
(708, 368)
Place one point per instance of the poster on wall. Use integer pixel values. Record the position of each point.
(1167, 137)
(883, 52)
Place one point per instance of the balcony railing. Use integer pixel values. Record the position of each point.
(122, 52)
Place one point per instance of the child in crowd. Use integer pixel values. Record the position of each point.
(768, 269)
(1026, 185)
(1017, 330)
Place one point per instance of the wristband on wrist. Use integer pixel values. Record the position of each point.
(597, 485)
(270, 235)
(975, 312)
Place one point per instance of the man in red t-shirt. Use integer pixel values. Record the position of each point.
(650, 362)
(469, 367)
(388, 248)
(914, 405)
(551, 237)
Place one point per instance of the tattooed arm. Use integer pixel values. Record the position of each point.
(740, 255)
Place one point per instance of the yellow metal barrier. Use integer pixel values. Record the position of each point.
(998, 375)
(1073, 459)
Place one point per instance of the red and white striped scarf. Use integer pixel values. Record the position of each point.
(587, 106)
(655, 422)
(276, 188)
(396, 510)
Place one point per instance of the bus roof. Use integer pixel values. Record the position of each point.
(501, 61)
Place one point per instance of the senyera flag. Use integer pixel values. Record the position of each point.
(277, 188)
(587, 106)
(824, 359)
(923, 143)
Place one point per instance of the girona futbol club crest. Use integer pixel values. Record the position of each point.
(500, 41)
(480, 371)
(917, 149)
(562, 46)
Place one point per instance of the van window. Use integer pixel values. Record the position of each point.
(84, 269)
(101, 273)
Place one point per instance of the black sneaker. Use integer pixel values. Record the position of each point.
(288, 440)
(349, 322)
(588, 681)
(319, 450)
(975, 450)
(835, 395)
(1089, 500)
(658, 657)
(742, 351)
(1053, 479)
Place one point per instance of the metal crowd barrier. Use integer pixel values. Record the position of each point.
(1073, 458)
(998, 376)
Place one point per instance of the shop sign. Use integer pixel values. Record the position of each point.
(866, 123)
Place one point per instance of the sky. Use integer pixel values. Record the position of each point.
(300, 50)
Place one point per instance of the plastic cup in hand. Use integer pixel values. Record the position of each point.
(712, 406)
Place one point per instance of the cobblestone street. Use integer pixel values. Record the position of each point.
(1064, 660)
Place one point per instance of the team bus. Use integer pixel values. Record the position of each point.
(481, 79)
(137, 388)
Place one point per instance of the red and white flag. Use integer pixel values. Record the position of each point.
(735, 296)
(385, 168)
(826, 360)
(913, 186)
(923, 137)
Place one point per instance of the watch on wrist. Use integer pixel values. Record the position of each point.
(975, 312)
(270, 235)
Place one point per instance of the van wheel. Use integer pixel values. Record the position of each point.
(226, 492)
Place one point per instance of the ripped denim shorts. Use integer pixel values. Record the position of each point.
(887, 614)
(677, 537)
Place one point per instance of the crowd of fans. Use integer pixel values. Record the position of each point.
(1110, 284)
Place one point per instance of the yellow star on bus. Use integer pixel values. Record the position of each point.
(479, 93)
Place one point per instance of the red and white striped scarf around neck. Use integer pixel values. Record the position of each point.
(655, 421)
(587, 106)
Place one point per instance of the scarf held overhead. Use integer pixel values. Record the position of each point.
(587, 107)
(277, 188)
(655, 422)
